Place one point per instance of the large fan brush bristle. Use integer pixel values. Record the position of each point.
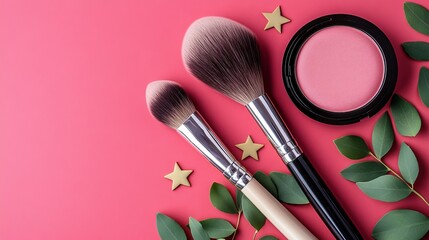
(225, 55)
(169, 103)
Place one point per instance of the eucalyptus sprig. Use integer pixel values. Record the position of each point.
(371, 176)
(282, 186)
(377, 180)
(418, 18)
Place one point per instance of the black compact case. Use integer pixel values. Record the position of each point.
(339, 118)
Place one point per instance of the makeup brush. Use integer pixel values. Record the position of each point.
(170, 104)
(225, 55)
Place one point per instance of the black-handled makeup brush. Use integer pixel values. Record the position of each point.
(170, 104)
(225, 55)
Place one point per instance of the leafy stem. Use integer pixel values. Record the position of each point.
(254, 235)
(237, 224)
(411, 187)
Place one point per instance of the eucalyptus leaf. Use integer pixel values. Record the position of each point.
(238, 197)
(364, 171)
(269, 237)
(417, 50)
(222, 199)
(197, 230)
(168, 228)
(401, 224)
(267, 182)
(382, 136)
(386, 188)
(353, 147)
(423, 85)
(417, 16)
(408, 164)
(288, 188)
(252, 214)
(407, 119)
(217, 227)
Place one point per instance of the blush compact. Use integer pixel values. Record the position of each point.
(339, 69)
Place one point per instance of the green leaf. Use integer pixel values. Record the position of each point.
(417, 50)
(401, 224)
(266, 181)
(353, 147)
(386, 188)
(269, 237)
(288, 188)
(222, 199)
(217, 227)
(382, 136)
(408, 164)
(197, 230)
(405, 116)
(364, 171)
(238, 197)
(417, 16)
(168, 228)
(252, 214)
(423, 85)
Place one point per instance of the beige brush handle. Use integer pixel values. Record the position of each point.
(278, 215)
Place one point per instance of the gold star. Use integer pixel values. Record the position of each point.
(179, 177)
(249, 148)
(275, 19)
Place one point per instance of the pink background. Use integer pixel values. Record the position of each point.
(80, 156)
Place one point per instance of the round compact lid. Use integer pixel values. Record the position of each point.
(339, 69)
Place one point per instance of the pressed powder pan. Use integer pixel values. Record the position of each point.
(339, 69)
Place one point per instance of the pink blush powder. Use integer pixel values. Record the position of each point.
(340, 69)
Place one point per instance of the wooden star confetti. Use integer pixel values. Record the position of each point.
(249, 148)
(275, 19)
(179, 176)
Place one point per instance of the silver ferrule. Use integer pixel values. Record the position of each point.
(197, 132)
(273, 126)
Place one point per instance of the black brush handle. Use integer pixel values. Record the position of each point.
(322, 200)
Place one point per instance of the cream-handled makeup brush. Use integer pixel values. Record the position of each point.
(170, 104)
(225, 55)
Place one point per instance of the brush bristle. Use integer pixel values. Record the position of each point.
(169, 103)
(225, 55)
